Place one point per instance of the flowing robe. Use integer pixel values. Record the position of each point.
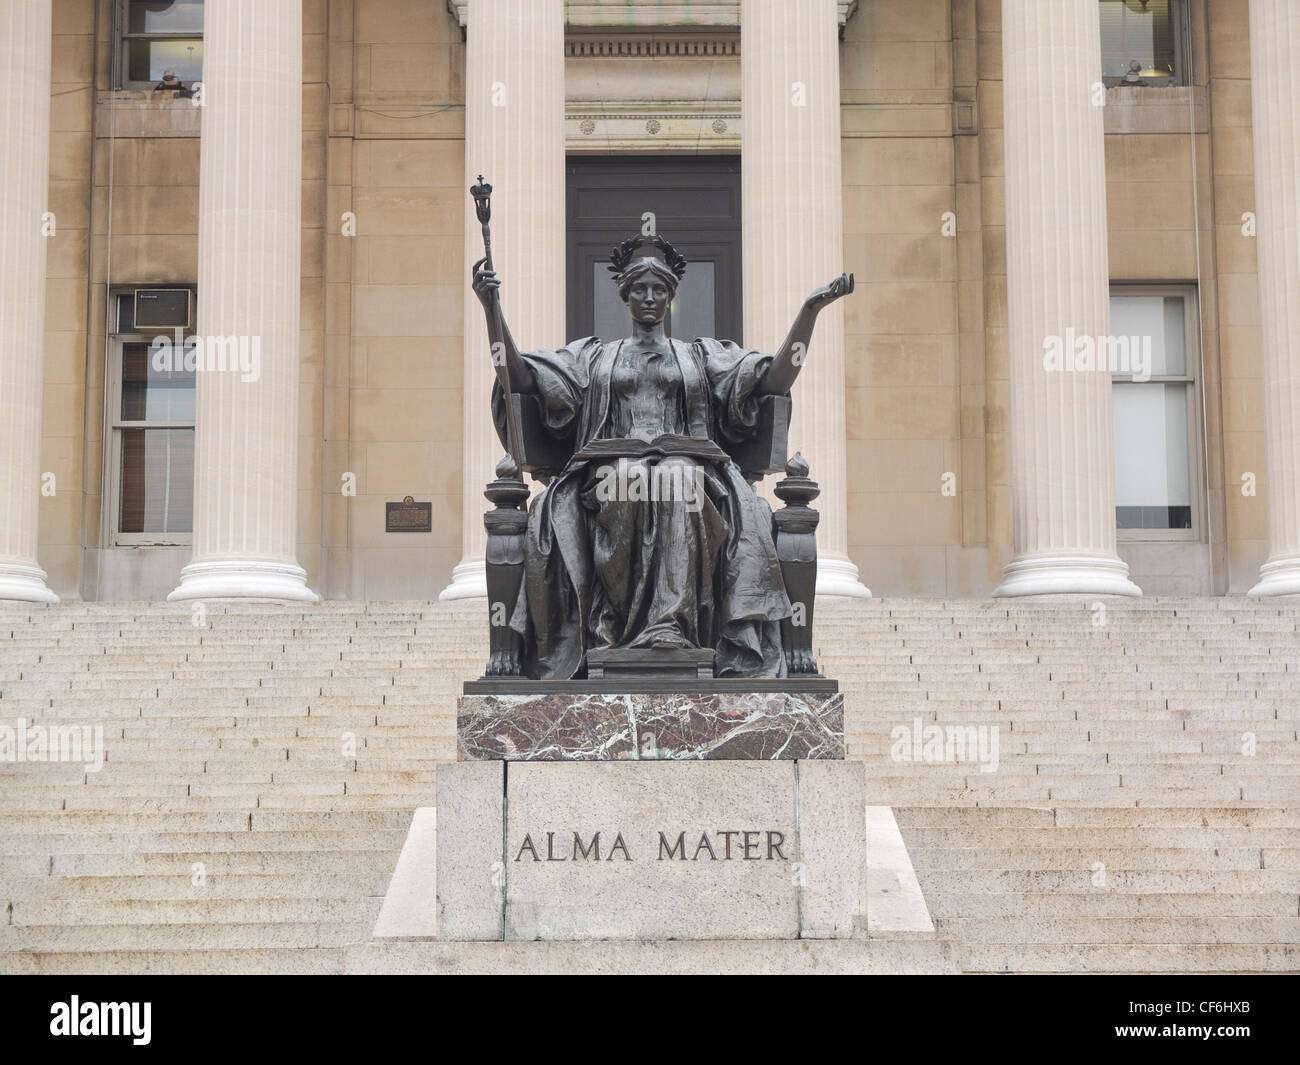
(603, 571)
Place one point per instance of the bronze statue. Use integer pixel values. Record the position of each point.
(648, 536)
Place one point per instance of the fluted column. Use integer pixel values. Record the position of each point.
(1058, 289)
(792, 226)
(250, 239)
(514, 137)
(1275, 102)
(24, 174)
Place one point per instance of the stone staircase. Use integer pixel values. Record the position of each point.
(261, 764)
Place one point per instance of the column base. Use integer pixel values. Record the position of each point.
(1278, 577)
(244, 579)
(839, 576)
(1066, 575)
(468, 581)
(24, 584)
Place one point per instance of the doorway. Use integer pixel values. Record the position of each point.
(695, 203)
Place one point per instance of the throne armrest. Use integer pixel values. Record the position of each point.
(541, 452)
(764, 451)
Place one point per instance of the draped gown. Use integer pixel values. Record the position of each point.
(617, 569)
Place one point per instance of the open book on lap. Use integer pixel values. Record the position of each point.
(701, 448)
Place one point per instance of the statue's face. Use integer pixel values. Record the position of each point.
(648, 300)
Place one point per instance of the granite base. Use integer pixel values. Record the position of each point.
(651, 850)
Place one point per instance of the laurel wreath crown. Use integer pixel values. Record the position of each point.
(621, 257)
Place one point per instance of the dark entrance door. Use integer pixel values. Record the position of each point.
(695, 202)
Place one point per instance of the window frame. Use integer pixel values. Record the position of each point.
(122, 38)
(114, 424)
(1178, 20)
(1192, 379)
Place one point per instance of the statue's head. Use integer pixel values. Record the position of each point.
(647, 284)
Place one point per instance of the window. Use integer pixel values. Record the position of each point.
(1143, 42)
(150, 453)
(155, 36)
(1156, 413)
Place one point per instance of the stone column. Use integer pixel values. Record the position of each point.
(24, 175)
(1058, 289)
(250, 265)
(792, 224)
(1275, 103)
(514, 137)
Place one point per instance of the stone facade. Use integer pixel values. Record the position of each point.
(927, 361)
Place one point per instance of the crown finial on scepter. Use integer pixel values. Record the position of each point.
(482, 193)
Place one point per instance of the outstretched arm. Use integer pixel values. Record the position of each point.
(789, 360)
(504, 352)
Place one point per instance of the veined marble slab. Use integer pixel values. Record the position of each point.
(751, 726)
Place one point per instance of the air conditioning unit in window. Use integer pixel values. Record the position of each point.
(163, 308)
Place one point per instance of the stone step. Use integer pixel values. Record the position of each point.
(162, 914)
(1122, 930)
(215, 843)
(324, 884)
(1232, 882)
(225, 864)
(392, 957)
(1097, 903)
(1079, 770)
(65, 937)
(265, 800)
(992, 787)
(294, 960)
(958, 835)
(1084, 817)
(253, 821)
(1097, 758)
(360, 770)
(1166, 859)
(1138, 958)
(14, 865)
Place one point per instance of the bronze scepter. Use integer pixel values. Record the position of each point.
(482, 194)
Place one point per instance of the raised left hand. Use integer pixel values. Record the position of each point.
(828, 294)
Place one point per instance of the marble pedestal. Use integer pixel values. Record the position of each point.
(651, 850)
(651, 726)
(715, 814)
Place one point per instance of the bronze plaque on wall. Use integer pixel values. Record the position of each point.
(408, 516)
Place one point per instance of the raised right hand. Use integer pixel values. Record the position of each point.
(485, 284)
